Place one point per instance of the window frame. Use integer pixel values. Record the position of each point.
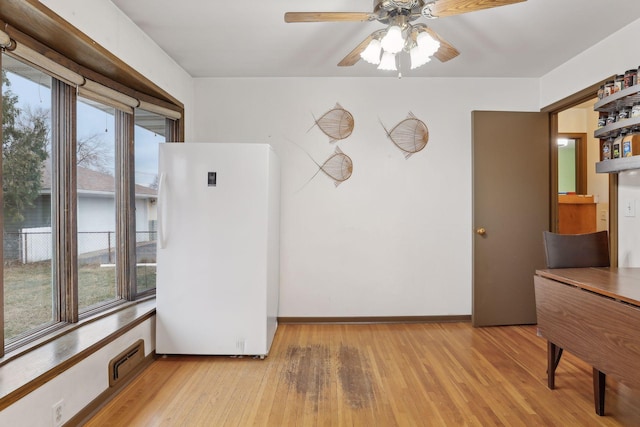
(63, 152)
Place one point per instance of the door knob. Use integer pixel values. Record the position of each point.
(481, 231)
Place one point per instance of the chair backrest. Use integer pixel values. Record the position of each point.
(577, 250)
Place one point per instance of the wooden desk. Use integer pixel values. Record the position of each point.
(594, 313)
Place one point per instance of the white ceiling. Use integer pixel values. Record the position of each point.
(250, 39)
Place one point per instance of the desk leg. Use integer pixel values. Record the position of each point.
(552, 351)
(599, 383)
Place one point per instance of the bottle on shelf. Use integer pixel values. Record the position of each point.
(618, 84)
(608, 88)
(631, 143)
(602, 118)
(616, 146)
(624, 114)
(606, 145)
(630, 77)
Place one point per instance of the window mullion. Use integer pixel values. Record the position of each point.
(172, 130)
(64, 200)
(1, 226)
(125, 203)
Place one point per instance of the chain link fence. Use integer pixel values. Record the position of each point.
(35, 245)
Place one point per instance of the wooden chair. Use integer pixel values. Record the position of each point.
(576, 251)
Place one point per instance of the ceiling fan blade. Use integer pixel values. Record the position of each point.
(446, 51)
(354, 56)
(327, 16)
(455, 7)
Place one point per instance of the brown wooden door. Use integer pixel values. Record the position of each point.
(510, 211)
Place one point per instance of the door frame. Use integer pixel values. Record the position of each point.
(554, 109)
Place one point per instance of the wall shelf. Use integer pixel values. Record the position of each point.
(623, 98)
(618, 165)
(612, 104)
(609, 130)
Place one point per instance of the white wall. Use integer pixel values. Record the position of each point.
(395, 239)
(613, 55)
(629, 226)
(77, 386)
(109, 27)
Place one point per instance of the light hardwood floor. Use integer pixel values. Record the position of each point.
(374, 375)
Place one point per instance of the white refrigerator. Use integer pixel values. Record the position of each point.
(218, 249)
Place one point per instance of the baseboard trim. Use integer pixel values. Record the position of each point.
(375, 319)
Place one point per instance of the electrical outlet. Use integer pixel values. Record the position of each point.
(57, 413)
(630, 208)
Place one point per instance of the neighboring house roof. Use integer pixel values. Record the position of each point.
(92, 182)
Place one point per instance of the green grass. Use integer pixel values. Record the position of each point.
(28, 292)
(27, 297)
(95, 284)
(146, 278)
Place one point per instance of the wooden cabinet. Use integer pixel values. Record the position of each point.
(576, 214)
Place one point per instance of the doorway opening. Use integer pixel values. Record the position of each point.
(581, 197)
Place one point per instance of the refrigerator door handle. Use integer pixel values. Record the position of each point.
(161, 207)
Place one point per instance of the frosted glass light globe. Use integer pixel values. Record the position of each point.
(388, 62)
(393, 42)
(371, 53)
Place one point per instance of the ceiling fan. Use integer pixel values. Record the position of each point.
(400, 14)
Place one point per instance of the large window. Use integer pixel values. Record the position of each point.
(26, 207)
(79, 191)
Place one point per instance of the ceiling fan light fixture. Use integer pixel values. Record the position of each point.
(400, 34)
(388, 62)
(419, 57)
(371, 53)
(393, 41)
(427, 43)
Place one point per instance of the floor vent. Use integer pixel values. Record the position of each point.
(126, 362)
